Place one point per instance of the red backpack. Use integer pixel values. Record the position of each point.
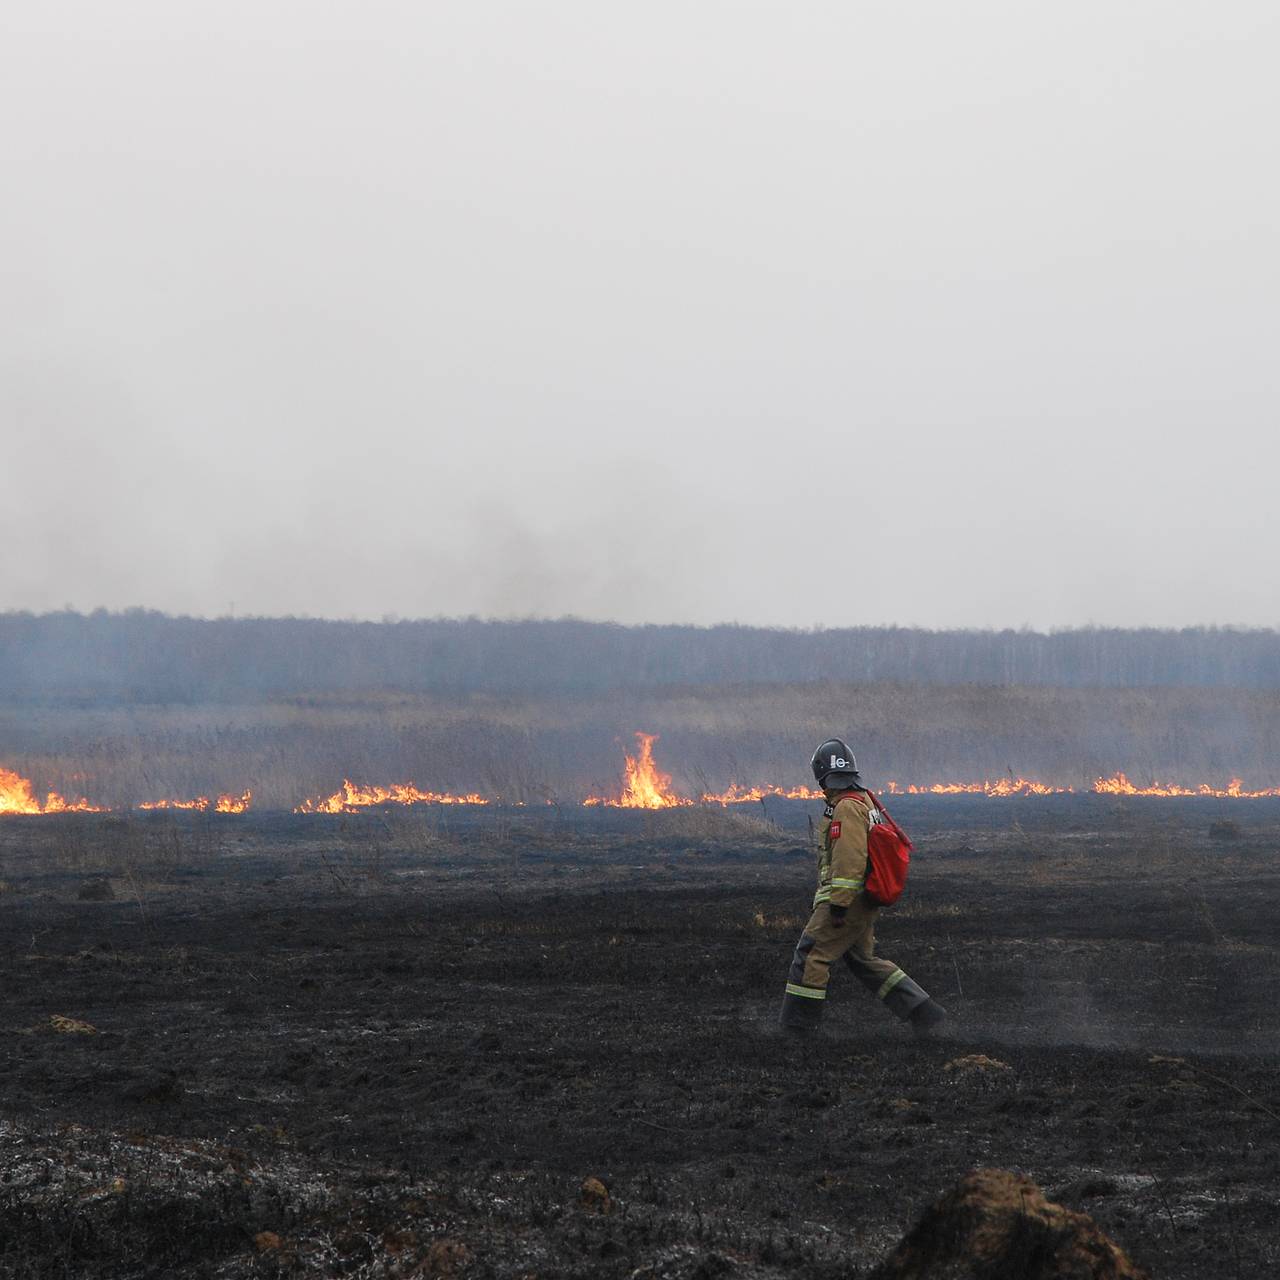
(888, 857)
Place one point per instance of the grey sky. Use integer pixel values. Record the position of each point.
(656, 312)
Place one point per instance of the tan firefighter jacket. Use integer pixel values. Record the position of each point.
(842, 848)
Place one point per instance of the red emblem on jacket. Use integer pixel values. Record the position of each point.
(835, 831)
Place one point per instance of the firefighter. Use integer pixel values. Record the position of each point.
(844, 919)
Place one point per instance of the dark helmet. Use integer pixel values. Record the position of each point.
(834, 766)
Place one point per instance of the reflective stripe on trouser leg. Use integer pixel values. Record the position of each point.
(902, 995)
(802, 1004)
(800, 1013)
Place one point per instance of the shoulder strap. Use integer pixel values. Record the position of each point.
(888, 817)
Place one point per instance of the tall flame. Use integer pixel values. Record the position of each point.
(350, 797)
(16, 796)
(644, 785)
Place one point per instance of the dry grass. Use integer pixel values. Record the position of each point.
(535, 749)
(715, 824)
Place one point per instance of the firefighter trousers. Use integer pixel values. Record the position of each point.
(822, 943)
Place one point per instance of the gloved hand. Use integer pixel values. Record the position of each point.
(837, 913)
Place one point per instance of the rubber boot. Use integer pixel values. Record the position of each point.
(901, 995)
(801, 1015)
(927, 1019)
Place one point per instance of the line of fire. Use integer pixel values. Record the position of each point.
(644, 786)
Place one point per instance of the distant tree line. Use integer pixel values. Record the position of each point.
(142, 656)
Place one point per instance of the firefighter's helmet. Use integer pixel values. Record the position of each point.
(834, 766)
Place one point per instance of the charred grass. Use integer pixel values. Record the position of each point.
(382, 1046)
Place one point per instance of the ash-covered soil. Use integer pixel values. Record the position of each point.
(539, 1045)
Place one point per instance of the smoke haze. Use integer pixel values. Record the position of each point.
(654, 313)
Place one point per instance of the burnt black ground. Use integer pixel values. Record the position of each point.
(399, 1043)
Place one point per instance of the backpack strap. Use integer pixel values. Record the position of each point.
(888, 817)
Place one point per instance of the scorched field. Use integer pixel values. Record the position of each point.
(515, 1043)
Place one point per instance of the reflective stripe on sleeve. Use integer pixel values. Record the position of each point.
(810, 993)
(890, 982)
(825, 890)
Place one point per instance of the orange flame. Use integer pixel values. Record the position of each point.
(350, 797)
(225, 803)
(644, 786)
(741, 795)
(1000, 787)
(647, 787)
(16, 796)
(1119, 785)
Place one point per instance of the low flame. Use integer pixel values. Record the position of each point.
(350, 797)
(16, 796)
(225, 803)
(1000, 787)
(743, 795)
(644, 786)
(1119, 785)
(1116, 785)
